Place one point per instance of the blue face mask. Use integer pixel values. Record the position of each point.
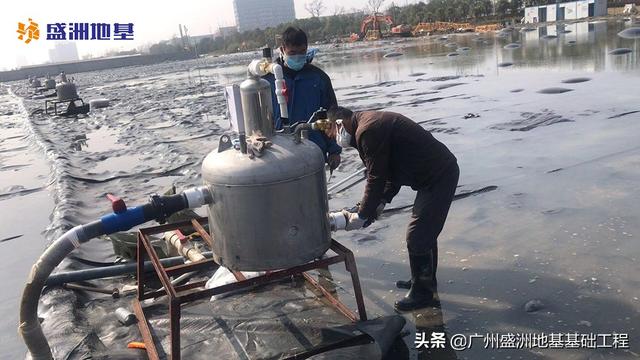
(295, 62)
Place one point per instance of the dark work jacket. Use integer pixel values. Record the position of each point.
(396, 151)
(308, 90)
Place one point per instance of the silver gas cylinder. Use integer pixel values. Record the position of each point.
(257, 108)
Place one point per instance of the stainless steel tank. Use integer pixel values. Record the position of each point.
(66, 91)
(257, 108)
(50, 84)
(268, 212)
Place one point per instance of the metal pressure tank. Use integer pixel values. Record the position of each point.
(50, 84)
(270, 209)
(255, 94)
(66, 91)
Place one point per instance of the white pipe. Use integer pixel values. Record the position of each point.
(336, 185)
(276, 69)
(337, 221)
(261, 68)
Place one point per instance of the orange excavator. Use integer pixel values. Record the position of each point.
(401, 30)
(370, 28)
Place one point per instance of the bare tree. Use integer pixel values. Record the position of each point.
(338, 10)
(314, 7)
(375, 5)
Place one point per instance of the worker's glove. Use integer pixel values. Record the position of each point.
(333, 161)
(379, 211)
(354, 221)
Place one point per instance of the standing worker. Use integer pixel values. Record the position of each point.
(396, 151)
(308, 89)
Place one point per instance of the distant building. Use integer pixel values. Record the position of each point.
(63, 52)
(261, 14)
(196, 38)
(565, 10)
(226, 31)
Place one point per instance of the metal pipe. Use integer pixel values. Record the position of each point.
(182, 278)
(336, 185)
(114, 292)
(298, 128)
(243, 142)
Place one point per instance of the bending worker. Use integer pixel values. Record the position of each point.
(396, 151)
(308, 89)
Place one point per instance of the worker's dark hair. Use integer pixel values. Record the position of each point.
(339, 112)
(294, 36)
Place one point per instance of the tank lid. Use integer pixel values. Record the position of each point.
(283, 161)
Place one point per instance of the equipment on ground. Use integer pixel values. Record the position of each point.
(370, 28)
(401, 30)
(66, 94)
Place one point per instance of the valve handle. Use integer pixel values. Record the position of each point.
(183, 239)
(285, 92)
(117, 204)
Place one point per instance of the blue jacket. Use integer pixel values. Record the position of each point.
(308, 90)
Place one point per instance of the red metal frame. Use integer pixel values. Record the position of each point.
(178, 295)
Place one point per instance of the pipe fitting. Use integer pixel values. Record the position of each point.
(281, 88)
(297, 133)
(258, 67)
(262, 67)
(337, 221)
(183, 246)
(198, 196)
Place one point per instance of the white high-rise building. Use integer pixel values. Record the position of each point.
(261, 14)
(63, 52)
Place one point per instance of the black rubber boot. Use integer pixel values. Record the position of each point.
(422, 283)
(406, 284)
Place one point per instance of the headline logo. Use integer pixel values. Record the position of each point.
(76, 31)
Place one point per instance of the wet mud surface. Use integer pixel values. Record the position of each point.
(549, 248)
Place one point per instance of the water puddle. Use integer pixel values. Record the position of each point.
(101, 140)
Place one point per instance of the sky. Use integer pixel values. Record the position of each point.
(153, 21)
